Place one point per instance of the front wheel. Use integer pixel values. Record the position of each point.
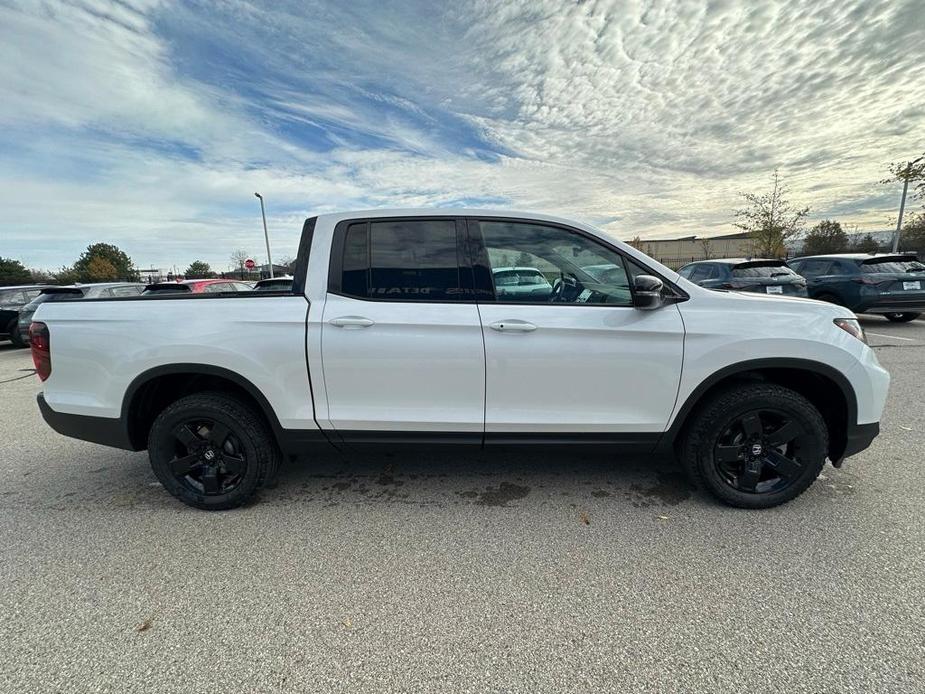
(755, 445)
(901, 317)
(212, 450)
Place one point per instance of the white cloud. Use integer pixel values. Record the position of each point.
(125, 119)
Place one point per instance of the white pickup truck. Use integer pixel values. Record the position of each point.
(393, 332)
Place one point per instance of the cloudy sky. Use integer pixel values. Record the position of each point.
(150, 124)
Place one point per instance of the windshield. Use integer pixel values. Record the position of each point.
(892, 265)
(768, 270)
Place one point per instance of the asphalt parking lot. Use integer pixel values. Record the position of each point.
(461, 573)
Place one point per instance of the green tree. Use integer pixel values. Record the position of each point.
(198, 270)
(770, 219)
(110, 262)
(13, 272)
(865, 244)
(826, 237)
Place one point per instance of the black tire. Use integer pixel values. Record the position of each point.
(212, 450)
(16, 337)
(724, 446)
(901, 317)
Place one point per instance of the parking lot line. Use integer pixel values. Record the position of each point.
(892, 337)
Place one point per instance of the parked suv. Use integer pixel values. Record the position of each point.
(12, 299)
(64, 293)
(395, 332)
(746, 275)
(889, 284)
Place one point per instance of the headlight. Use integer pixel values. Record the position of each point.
(852, 327)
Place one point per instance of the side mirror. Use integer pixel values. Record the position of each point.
(648, 292)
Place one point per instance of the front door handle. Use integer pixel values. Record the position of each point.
(512, 326)
(352, 322)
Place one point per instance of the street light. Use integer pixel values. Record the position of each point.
(902, 202)
(266, 235)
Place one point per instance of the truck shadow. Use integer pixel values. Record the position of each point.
(496, 478)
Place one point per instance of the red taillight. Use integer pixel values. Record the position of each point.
(40, 341)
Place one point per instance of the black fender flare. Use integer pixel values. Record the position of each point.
(683, 412)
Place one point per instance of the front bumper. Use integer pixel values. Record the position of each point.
(858, 438)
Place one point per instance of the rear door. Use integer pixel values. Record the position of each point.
(578, 361)
(401, 341)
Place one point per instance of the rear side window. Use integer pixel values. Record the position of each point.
(401, 260)
(813, 268)
(892, 266)
(759, 271)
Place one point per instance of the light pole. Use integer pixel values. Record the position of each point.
(266, 235)
(902, 202)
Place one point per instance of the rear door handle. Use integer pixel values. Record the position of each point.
(512, 326)
(352, 322)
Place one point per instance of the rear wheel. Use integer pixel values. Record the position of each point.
(211, 450)
(756, 445)
(901, 317)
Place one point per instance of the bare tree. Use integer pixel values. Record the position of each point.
(238, 259)
(913, 172)
(770, 219)
(706, 246)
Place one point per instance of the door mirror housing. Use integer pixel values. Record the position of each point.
(647, 294)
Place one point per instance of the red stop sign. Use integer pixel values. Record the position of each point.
(250, 264)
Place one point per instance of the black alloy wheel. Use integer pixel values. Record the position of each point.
(759, 452)
(755, 444)
(212, 450)
(208, 458)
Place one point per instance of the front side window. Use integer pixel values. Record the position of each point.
(552, 265)
(401, 260)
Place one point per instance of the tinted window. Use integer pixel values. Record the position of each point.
(12, 298)
(413, 260)
(892, 266)
(757, 271)
(576, 269)
(812, 268)
(701, 272)
(125, 291)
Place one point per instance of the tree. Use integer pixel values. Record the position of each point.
(198, 270)
(826, 237)
(103, 262)
(866, 244)
(100, 269)
(770, 219)
(901, 171)
(238, 259)
(13, 272)
(913, 236)
(636, 242)
(707, 247)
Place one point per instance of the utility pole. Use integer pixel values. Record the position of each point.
(902, 203)
(266, 235)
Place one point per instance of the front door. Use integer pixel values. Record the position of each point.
(566, 352)
(401, 341)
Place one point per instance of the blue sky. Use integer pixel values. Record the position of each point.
(150, 124)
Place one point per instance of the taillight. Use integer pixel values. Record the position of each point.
(40, 341)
